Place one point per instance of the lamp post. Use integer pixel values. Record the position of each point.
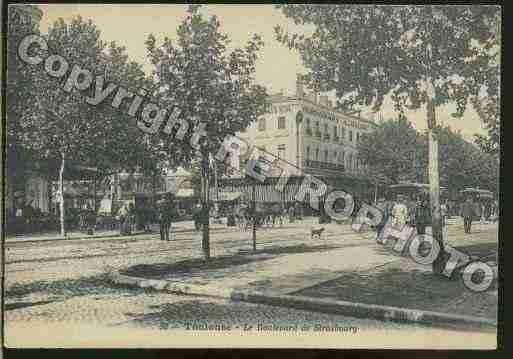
(299, 120)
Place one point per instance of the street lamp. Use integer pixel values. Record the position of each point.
(299, 120)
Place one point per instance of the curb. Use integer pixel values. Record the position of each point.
(93, 238)
(352, 309)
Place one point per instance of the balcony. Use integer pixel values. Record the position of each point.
(324, 165)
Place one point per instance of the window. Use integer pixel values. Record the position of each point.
(343, 133)
(281, 151)
(334, 131)
(335, 157)
(325, 128)
(317, 154)
(261, 124)
(350, 136)
(350, 161)
(281, 122)
(325, 155)
(308, 153)
(342, 158)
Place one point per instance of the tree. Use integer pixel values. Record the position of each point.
(62, 125)
(391, 150)
(395, 151)
(22, 21)
(487, 105)
(209, 85)
(418, 55)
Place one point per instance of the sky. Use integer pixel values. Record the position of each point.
(277, 66)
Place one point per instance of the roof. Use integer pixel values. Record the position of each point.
(280, 97)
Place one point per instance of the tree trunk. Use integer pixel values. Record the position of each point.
(254, 214)
(95, 200)
(434, 181)
(205, 187)
(61, 190)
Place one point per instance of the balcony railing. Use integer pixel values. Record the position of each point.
(324, 165)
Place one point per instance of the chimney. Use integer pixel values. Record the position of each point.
(299, 86)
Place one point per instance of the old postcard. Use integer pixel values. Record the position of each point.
(251, 176)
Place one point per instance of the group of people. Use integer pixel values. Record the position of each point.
(166, 214)
(403, 212)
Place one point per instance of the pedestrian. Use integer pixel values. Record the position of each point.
(399, 213)
(467, 211)
(195, 216)
(168, 214)
(383, 207)
(411, 204)
(297, 212)
(122, 216)
(422, 215)
(291, 214)
(132, 215)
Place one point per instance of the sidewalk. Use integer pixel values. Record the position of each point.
(179, 227)
(368, 274)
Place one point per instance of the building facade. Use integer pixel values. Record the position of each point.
(310, 134)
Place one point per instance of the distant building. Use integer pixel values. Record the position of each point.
(323, 144)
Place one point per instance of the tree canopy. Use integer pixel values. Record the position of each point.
(367, 52)
(399, 152)
(208, 83)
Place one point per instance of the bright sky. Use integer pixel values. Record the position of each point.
(130, 25)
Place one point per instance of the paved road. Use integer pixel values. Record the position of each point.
(61, 281)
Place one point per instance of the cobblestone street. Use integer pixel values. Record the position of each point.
(63, 281)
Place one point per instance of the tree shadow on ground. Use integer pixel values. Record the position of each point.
(200, 265)
(178, 315)
(409, 288)
(19, 305)
(68, 288)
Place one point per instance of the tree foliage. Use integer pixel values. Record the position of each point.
(367, 52)
(390, 150)
(64, 123)
(208, 83)
(398, 151)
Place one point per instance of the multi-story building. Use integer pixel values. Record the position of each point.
(310, 134)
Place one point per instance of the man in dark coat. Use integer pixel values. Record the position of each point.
(467, 211)
(167, 214)
(422, 216)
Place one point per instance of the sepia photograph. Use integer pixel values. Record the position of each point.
(251, 176)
